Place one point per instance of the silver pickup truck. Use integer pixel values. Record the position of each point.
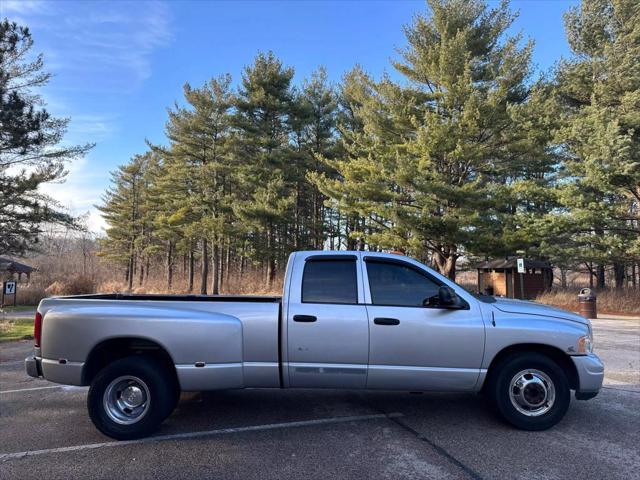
(348, 320)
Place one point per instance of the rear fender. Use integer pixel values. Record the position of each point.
(206, 348)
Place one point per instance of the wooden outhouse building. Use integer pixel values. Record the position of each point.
(501, 277)
(9, 268)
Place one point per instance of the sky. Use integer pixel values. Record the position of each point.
(118, 65)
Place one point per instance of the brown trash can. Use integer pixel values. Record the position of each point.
(587, 306)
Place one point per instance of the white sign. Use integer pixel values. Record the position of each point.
(9, 288)
(521, 265)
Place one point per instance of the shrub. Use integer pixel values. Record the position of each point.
(77, 285)
(30, 294)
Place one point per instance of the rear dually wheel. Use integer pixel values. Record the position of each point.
(131, 397)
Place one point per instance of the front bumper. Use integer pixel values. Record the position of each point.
(590, 375)
(33, 365)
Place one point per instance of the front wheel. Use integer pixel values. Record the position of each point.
(530, 391)
(130, 398)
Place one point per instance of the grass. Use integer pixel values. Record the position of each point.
(19, 308)
(614, 302)
(16, 329)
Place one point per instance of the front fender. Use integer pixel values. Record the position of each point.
(514, 329)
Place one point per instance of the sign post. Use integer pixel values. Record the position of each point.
(521, 271)
(10, 288)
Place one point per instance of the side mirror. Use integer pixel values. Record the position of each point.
(446, 297)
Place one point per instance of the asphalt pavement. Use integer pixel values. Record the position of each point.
(262, 434)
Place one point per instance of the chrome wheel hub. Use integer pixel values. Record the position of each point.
(132, 396)
(532, 392)
(126, 400)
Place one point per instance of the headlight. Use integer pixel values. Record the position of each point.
(585, 344)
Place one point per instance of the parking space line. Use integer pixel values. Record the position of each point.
(31, 389)
(205, 433)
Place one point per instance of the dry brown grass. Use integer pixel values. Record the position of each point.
(249, 284)
(611, 301)
(30, 294)
(75, 285)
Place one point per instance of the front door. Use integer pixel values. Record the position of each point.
(327, 324)
(413, 347)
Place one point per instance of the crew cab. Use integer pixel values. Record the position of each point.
(346, 320)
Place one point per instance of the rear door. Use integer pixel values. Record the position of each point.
(327, 324)
(413, 347)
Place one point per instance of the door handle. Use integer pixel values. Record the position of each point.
(304, 318)
(386, 321)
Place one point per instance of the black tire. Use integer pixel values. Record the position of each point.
(176, 392)
(500, 384)
(160, 400)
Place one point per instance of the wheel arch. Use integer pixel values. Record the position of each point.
(561, 358)
(115, 348)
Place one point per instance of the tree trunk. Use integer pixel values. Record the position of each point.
(619, 275)
(222, 262)
(130, 272)
(191, 269)
(204, 273)
(445, 262)
(591, 274)
(450, 268)
(271, 272)
(563, 277)
(331, 232)
(271, 262)
(600, 276)
(141, 278)
(170, 266)
(227, 264)
(351, 242)
(215, 269)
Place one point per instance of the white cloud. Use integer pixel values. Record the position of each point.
(23, 7)
(94, 127)
(80, 191)
(116, 39)
(97, 52)
(113, 40)
(95, 222)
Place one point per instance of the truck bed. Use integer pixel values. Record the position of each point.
(177, 297)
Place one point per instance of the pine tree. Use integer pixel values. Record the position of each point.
(30, 150)
(599, 92)
(424, 167)
(262, 111)
(313, 124)
(123, 209)
(198, 178)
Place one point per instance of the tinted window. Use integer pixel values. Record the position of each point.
(397, 284)
(330, 281)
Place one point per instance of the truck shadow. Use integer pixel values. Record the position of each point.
(233, 408)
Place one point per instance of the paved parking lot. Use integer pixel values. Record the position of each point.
(46, 433)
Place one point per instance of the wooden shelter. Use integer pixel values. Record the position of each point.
(501, 277)
(9, 268)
